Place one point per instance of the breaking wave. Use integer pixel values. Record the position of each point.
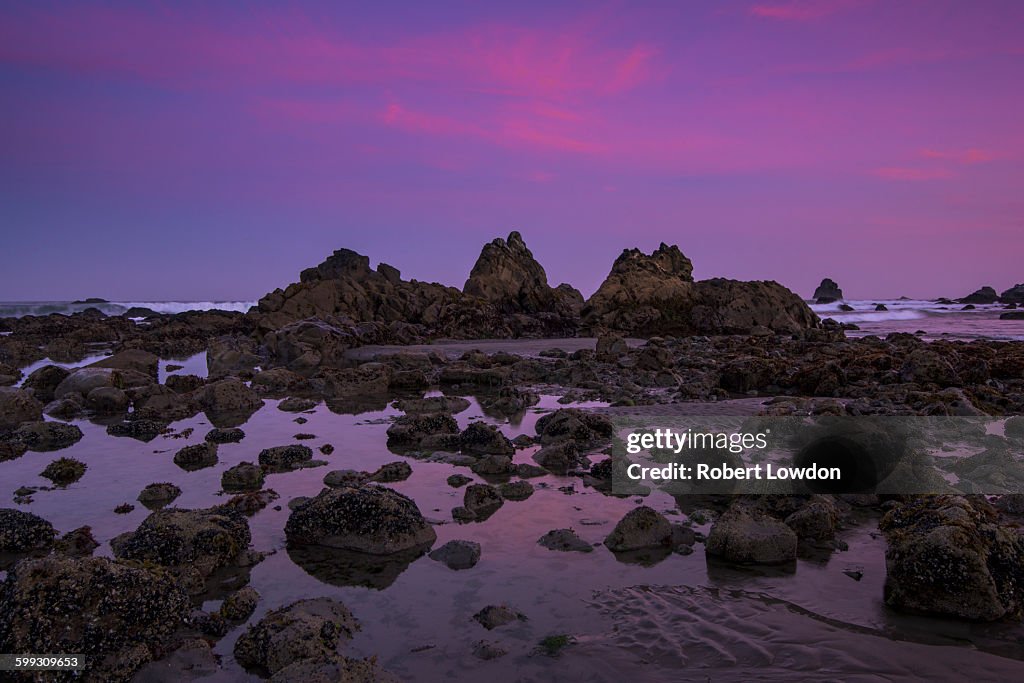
(18, 309)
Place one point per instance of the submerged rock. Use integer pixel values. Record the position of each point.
(564, 540)
(493, 616)
(948, 555)
(367, 519)
(457, 554)
(304, 630)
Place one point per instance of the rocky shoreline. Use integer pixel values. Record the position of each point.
(649, 336)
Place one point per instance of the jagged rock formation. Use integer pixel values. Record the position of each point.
(827, 292)
(343, 302)
(507, 276)
(508, 296)
(656, 295)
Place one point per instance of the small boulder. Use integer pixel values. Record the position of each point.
(48, 436)
(64, 471)
(642, 527)
(746, 536)
(196, 456)
(158, 495)
(493, 616)
(285, 458)
(245, 476)
(457, 554)
(564, 540)
(23, 532)
(17, 406)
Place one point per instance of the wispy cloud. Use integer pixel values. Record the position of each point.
(802, 10)
(964, 156)
(907, 173)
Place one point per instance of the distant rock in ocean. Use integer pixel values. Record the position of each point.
(985, 295)
(1014, 295)
(827, 292)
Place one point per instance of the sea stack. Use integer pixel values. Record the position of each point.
(827, 292)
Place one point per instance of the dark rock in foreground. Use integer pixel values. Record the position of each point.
(116, 616)
(949, 555)
(24, 532)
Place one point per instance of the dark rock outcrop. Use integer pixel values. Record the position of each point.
(507, 276)
(1014, 295)
(827, 292)
(985, 295)
(656, 295)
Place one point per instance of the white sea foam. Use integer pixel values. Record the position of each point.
(17, 309)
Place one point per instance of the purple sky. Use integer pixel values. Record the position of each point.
(206, 151)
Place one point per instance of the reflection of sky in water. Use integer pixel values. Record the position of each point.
(427, 604)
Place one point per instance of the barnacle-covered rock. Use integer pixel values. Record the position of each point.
(245, 476)
(47, 436)
(642, 527)
(23, 532)
(114, 615)
(948, 555)
(368, 519)
(285, 458)
(194, 543)
(64, 471)
(303, 630)
(197, 456)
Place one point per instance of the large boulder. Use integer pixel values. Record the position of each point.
(17, 406)
(193, 543)
(655, 294)
(827, 292)
(507, 276)
(948, 555)
(369, 519)
(304, 630)
(116, 616)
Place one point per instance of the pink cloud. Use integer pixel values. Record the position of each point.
(900, 173)
(965, 156)
(803, 10)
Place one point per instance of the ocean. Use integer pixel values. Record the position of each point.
(936, 320)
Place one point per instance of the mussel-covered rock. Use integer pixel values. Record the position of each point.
(115, 615)
(303, 630)
(367, 519)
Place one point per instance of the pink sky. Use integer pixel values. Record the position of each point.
(211, 151)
